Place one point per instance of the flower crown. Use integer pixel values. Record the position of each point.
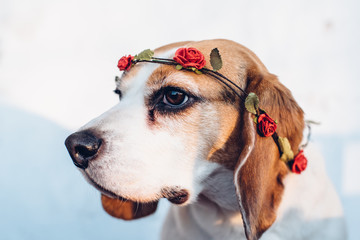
(191, 59)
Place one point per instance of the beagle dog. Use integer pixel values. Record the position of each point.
(186, 137)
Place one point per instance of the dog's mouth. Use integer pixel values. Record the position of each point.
(101, 189)
(174, 195)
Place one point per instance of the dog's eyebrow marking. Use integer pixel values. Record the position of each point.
(172, 80)
(158, 76)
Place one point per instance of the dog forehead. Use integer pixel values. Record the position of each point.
(140, 74)
(165, 76)
(237, 62)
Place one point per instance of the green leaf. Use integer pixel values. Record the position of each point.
(198, 72)
(256, 120)
(193, 68)
(179, 67)
(252, 103)
(145, 55)
(215, 59)
(285, 148)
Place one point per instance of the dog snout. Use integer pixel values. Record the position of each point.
(83, 146)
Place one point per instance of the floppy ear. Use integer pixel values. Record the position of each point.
(127, 210)
(259, 171)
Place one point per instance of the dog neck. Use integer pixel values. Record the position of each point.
(218, 190)
(215, 214)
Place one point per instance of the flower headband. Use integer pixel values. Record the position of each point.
(191, 59)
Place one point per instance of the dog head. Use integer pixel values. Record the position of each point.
(171, 129)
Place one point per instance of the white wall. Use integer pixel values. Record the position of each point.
(57, 67)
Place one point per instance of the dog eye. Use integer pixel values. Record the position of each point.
(175, 98)
(118, 92)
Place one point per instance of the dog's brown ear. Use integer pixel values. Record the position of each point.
(127, 210)
(259, 171)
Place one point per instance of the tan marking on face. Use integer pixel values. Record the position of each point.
(228, 116)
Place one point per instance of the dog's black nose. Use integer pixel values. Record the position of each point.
(82, 147)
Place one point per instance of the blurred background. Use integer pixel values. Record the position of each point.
(57, 67)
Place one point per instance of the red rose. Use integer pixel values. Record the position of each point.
(300, 163)
(125, 63)
(190, 57)
(266, 125)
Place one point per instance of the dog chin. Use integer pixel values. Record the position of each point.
(175, 195)
(101, 189)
